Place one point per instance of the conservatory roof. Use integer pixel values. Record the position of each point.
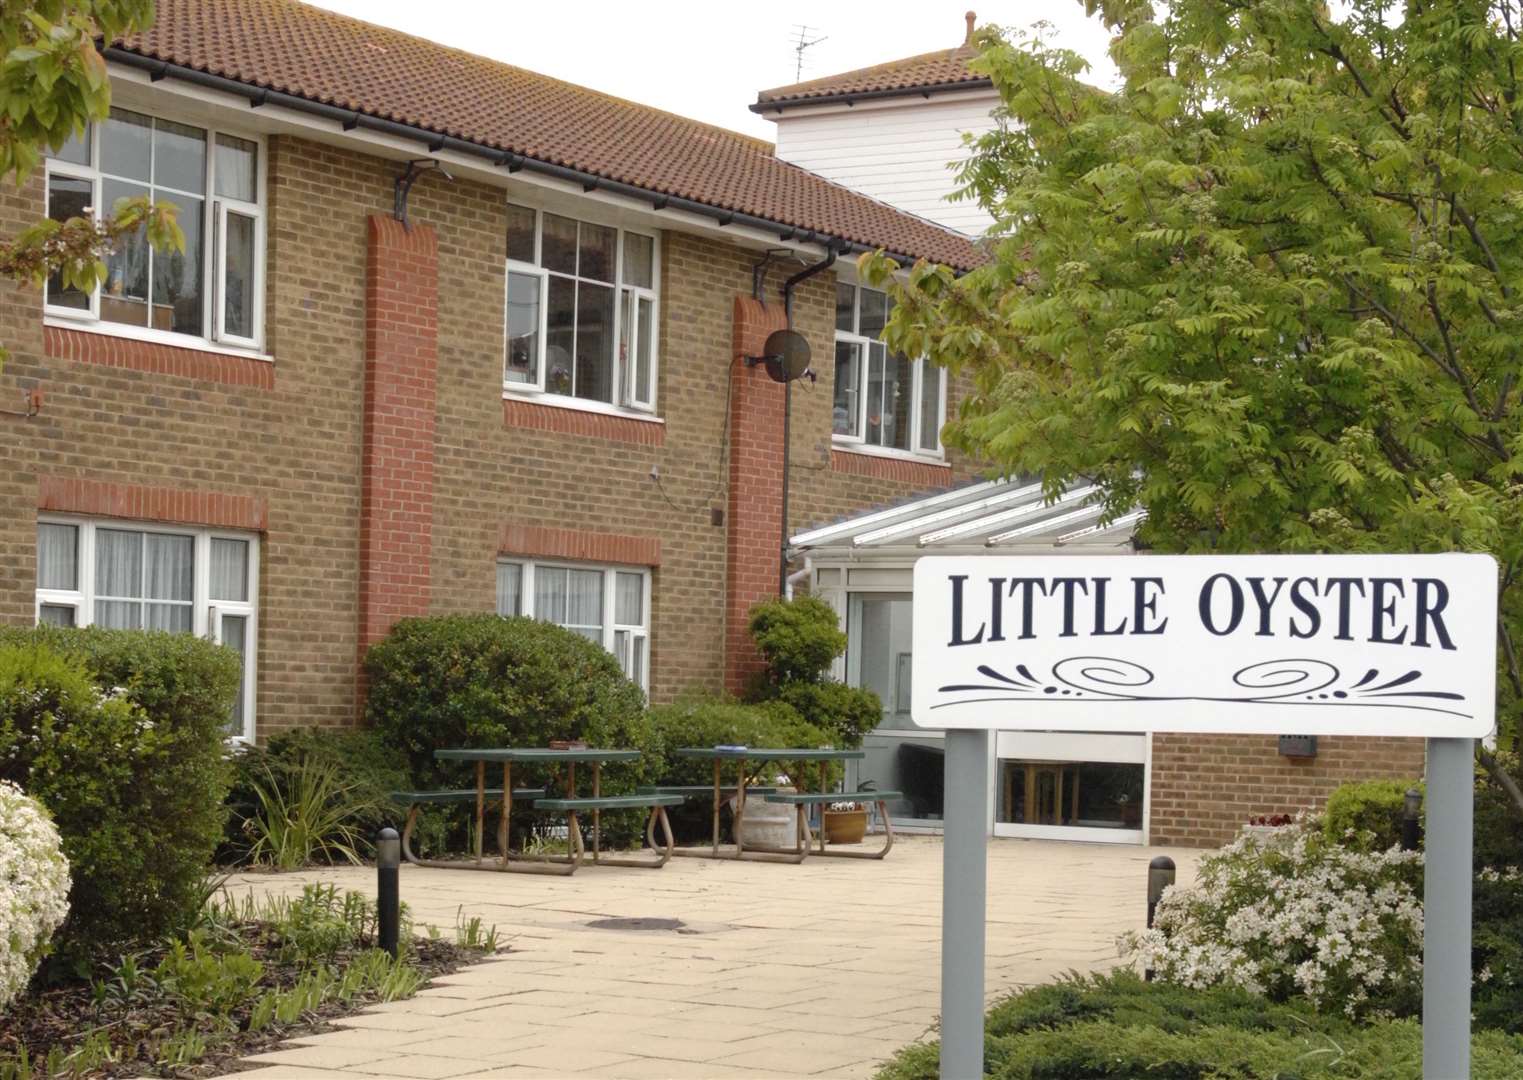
(994, 516)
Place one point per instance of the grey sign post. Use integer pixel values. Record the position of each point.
(964, 884)
(1446, 909)
(1383, 645)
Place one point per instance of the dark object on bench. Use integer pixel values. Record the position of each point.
(805, 799)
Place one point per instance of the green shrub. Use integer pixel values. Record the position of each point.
(119, 733)
(702, 721)
(1369, 812)
(306, 815)
(483, 680)
(1498, 821)
(798, 640)
(369, 770)
(1117, 1026)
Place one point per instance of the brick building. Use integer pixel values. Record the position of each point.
(531, 396)
(450, 336)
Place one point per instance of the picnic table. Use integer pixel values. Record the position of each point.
(570, 802)
(741, 755)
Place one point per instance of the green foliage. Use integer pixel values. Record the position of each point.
(1368, 812)
(370, 771)
(1498, 825)
(202, 980)
(120, 735)
(482, 680)
(1270, 289)
(718, 722)
(799, 639)
(305, 815)
(1116, 1026)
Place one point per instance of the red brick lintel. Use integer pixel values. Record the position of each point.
(133, 502)
(921, 473)
(123, 352)
(564, 420)
(539, 541)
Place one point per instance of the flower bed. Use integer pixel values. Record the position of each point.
(252, 974)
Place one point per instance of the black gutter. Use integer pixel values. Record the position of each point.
(513, 162)
(808, 272)
(852, 97)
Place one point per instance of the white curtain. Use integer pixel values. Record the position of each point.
(229, 569)
(584, 599)
(235, 630)
(509, 588)
(629, 599)
(58, 557)
(550, 594)
(118, 572)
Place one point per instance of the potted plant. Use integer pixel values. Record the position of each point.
(1264, 826)
(845, 822)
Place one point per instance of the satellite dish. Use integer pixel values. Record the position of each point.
(787, 355)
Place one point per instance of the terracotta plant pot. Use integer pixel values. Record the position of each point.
(845, 826)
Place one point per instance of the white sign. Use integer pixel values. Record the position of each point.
(1272, 644)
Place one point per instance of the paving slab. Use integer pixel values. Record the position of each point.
(820, 969)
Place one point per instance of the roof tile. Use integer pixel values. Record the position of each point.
(322, 56)
(944, 68)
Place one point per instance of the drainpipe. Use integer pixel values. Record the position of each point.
(797, 576)
(824, 264)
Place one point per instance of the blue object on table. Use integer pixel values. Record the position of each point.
(730, 749)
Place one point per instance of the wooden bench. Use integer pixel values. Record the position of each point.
(657, 804)
(802, 800)
(416, 800)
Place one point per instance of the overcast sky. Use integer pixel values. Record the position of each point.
(707, 58)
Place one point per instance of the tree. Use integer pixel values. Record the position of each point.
(53, 83)
(1271, 289)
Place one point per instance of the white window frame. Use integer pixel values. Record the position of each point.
(863, 346)
(610, 629)
(206, 613)
(624, 398)
(213, 272)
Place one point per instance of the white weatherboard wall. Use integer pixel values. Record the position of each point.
(895, 150)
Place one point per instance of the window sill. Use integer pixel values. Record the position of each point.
(67, 340)
(561, 401)
(569, 416)
(918, 472)
(154, 337)
(890, 453)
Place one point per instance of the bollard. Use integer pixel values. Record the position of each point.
(388, 896)
(1410, 810)
(1160, 877)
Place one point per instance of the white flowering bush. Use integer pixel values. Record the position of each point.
(1294, 914)
(34, 888)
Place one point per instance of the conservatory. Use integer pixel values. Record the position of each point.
(1054, 785)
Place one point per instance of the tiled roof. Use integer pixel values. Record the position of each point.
(320, 56)
(944, 69)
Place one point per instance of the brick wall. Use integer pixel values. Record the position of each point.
(219, 429)
(288, 431)
(1205, 787)
(397, 469)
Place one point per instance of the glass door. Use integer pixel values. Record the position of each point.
(1071, 786)
(900, 756)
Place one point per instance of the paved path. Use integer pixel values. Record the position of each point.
(778, 971)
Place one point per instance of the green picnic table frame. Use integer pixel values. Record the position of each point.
(506, 756)
(740, 756)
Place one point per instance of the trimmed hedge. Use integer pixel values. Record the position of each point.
(485, 680)
(119, 733)
(1368, 806)
(799, 639)
(1117, 1026)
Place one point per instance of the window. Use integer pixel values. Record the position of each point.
(610, 606)
(213, 289)
(581, 310)
(882, 399)
(147, 577)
